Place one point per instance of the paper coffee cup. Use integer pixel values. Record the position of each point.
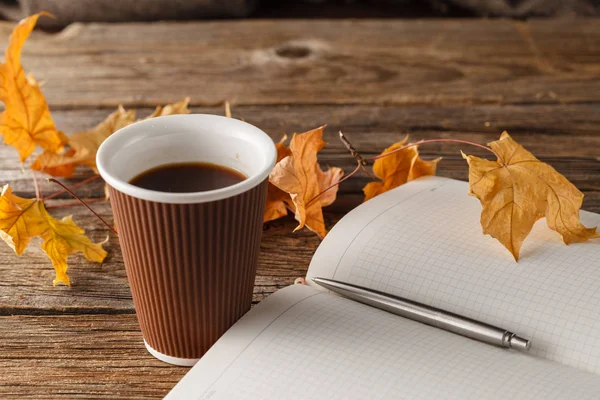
(190, 257)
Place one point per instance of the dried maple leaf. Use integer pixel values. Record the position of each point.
(23, 219)
(26, 121)
(300, 175)
(83, 146)
(277, 198)
(517, 190)
(398, 168)
(181, 107)
(328, 180)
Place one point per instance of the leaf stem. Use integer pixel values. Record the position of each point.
(83, 203)
(358, 166)
(36, 186)
(361, 161)
(364, 168)
(420, 142)
(83, 182)
(352, 150)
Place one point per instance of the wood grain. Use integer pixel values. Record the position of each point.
(318, 62)
(80, 357)
(375, 80)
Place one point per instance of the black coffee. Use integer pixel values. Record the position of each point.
(187, 177)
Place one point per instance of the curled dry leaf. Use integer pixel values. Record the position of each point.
(517, 190)
(26, 121)
(398, 168)
(181, 107)
(328, 181)
(23, 219)
(277, 198)
(83, 146)
(300, 176)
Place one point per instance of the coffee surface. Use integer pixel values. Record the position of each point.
(187, 177)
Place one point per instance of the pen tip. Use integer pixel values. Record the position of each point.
(519, 343)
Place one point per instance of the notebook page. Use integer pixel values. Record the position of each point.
(235, 341)
(423, 241)
(327, 347)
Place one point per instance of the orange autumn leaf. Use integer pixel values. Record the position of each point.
(517, 190)
(277, 198)
(23, 219)
(328, 180)
(83, 146)
(300, 175)
(398, 168)
(26, 120)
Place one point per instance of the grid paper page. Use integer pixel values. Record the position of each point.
(423, 242)
(328, 347)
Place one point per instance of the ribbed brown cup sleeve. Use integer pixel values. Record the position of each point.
(191, 267)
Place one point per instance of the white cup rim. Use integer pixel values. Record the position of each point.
(137, 131)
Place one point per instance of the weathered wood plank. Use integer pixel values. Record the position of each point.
(582, 171)
(80, 357)
(567, 136)
(318, 62)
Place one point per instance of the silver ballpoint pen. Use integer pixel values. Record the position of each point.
(427, 315)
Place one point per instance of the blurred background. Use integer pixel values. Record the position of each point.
(67, 11)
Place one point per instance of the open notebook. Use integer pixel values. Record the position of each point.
(421, 241)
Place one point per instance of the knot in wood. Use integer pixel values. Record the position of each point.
(293, 51)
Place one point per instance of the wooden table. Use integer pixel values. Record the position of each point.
(376, 80)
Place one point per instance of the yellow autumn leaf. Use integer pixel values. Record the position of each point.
(23, 219)
(300, 175)
(26, 120)
(518, 189)
(20, 220)
(83, 146)
(398, 168)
